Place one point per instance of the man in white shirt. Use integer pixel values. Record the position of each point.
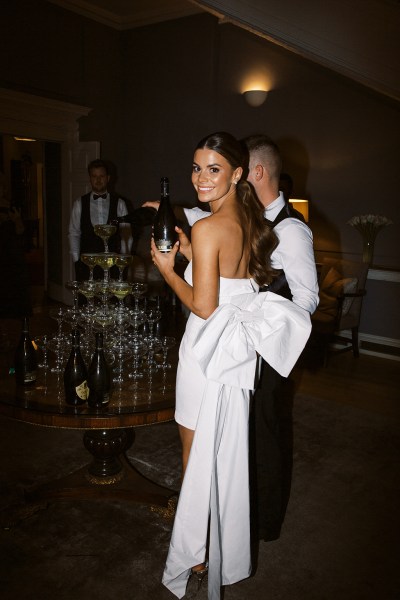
(294, 258)
(98, 207)
(294, 253)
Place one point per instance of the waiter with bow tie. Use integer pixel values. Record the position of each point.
(95, 208)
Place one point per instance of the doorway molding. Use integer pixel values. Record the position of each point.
(39, 117)
(46, 119)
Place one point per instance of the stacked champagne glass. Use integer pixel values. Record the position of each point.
(130, 328)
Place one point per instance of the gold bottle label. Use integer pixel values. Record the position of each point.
(164, 245)
(82, 390)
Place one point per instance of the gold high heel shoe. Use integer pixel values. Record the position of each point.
(195, 582)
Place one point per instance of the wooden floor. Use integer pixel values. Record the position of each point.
(339, 538)
(367, 382)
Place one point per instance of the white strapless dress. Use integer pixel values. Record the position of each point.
(216, 373)
(190, 379)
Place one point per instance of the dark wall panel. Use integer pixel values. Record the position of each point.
(155, 91)
(53, 195)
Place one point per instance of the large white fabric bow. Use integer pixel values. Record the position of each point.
(227, 344)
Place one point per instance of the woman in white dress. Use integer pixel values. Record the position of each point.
(229, 259)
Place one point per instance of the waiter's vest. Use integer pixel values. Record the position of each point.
(90, 242)
(280, 285)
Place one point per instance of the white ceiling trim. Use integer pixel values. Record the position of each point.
(137, 18)
(38, 117)
(367, 58)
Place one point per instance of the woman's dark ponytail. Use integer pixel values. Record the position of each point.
(262, 239)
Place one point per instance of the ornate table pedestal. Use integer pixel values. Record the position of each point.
(110, 475)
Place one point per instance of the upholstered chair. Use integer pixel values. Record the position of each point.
(342, 288)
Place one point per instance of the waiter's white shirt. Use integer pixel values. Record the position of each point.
(294, 253)
(99, 210)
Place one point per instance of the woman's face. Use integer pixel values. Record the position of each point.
(212, 175)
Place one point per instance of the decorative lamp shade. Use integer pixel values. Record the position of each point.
(301, 206)
(255, 97)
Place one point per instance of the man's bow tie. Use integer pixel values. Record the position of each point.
(95, 196)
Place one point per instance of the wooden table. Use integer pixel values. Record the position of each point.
(108, 433)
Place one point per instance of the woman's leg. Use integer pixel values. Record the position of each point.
(186, 436)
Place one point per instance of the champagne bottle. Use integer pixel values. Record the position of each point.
(99, 376)
(75, 374)
(140, 217)
(165, 235)
(25, 357)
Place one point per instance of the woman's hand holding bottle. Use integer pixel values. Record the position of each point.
(164, 261)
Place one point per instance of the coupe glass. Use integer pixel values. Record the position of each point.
(105, 232)
(137, 319)
(121, 355)
(89, 290)
(72, 314)
(138, 291)
(86, 314)
(120, 289)
(42, 342)
(73, 286)
(153, 346)
(104, 319)
(139, 349)
(58, 314)
(167, 342)
(122, 261)
(121, 319)
(90, 261)
(60, 345)
(152, 316)
(103, 291)
(106, 260)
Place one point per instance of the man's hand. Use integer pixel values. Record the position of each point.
(152, 204)
(185, 247)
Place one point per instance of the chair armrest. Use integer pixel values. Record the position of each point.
(341, 303)
(357, 294)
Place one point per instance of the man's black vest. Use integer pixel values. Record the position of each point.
(280, 285)
(90, 242)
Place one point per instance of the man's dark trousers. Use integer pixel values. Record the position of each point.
(268, 461)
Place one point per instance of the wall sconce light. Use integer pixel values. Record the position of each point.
(24, 139)
(255, 97)
(301, 206)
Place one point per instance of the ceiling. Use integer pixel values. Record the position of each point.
(127, 14)
(363, 45)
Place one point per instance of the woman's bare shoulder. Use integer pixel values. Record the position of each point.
(218, 226)
(216, 220)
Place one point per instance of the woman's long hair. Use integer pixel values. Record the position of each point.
(258, 234)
